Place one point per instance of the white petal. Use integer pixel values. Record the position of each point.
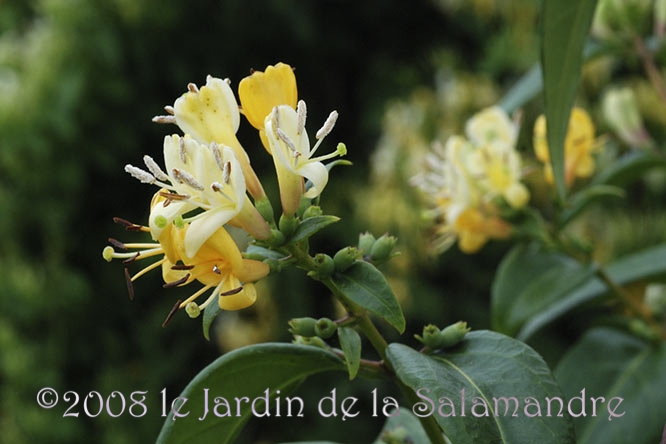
(316, 173)
(204, 226)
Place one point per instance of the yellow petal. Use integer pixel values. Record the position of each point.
(262, 91)
(243, 299)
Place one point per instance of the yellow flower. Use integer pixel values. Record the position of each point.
(492, 126)
(260, 92)
(578, 146)
(206, 177)
(210, 114)
(475, 228)
(292, 155)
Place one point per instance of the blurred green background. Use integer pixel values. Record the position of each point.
(79, 83)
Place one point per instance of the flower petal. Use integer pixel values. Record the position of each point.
(204, 226)
(262, 91)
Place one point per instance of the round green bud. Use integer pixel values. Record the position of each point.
(325, 328)
(313, 341)
(453, 334)
(365, 242)
(345, 258)
(277, 239)
(397, 435)
(430, 336)
(303, 327)
(192, 309)
(312, 211)
(325, 265)
(382, 248)
(107, 253)
(265, 208)
(288, 225)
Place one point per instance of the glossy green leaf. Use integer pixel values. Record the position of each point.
(246, 372)
(579, 201)
(612, 364)
(629, 167)
(648, 263)
(566, 24)
(528, 281)
(366, 286)
(404, 424)
(350, 342)
(310, 226)
(260, 253)
(209, 315)
(485, 369)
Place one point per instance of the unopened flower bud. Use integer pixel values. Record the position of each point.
(640, 328)
(655, 298)
(430, 336)
(303, 327)
(277, 238)
(382, 248)
(325, 328)
(620, 110)
(345, 258)
(313, 341)
(453, 334)
(365, 242)
(312, 211)
(265, 208)
(288, 225)
(325, 265)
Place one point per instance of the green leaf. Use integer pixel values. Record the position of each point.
(245, 372)
(310, 226)
(209, 315)
(528, 281)
(402, 422)
(579, 201)
(629, 167)
(566, 24)
(350, 342)
(261, 253)
(366, 286)
(495, 371)
(614, 364)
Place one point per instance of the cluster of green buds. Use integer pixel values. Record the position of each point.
(312, 331)
(434, 338)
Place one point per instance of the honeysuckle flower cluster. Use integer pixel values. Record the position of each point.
(469, 180)
(206, 206)
(579, 146)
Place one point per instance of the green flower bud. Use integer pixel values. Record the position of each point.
(274, 264)
(620, 109)
(430, 336)
(312, 211)
(277, 239)
(365, 242)
(314, 341)
(642, 329)
(303, 327)
(325, 328)
(382, 248)
(655, 298)
(325, 265)
(345, 258)
(453, 334)
(303, 205)
(265, 208)
(288, 225)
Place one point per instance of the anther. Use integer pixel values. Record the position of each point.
(130, 286)
(129, 226)
(192, 88)
(226, 172)
(286, 139)
(216, 269)
(172, 196)
(182, 267)
(328, 125)
(116, 243)
(183, 151)
(169, 109)
(138, 173)
(164, 119)
(155, 169)
(302, 112)
(217, 155)
(187, 178)
(171, 313)
(232, 292)
(178, 282)
(132, 259)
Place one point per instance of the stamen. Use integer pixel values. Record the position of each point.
(216, 269)
(164, 119)
(178, 282)
(217, 155)
(150, 267)
(301, 110)
(131, 259)
(193, 88)
(130, 287)
(328, 125)
(275, 120)
(182, 267)
(171, 313)
(117, 243)
(192, 298)
(138, 173)
(155, 169)
(232, 292)
(228, 81)
(219, 188)
(170, 109)
(186, 178)
(129, 226)
(286, 139)
(172, 196)
(183, 151)
(226, 172)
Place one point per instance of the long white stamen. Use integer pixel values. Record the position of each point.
(302, 112)
(154, 168)
(138, 173)
(219, 188)
(328, 125)
(186, 178)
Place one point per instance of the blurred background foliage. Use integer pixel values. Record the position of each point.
(79, 82)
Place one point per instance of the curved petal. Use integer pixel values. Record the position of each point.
(204, 226)
(162, 215)
(243, 299)
(252, 270)
(262, 91)
(316, 173)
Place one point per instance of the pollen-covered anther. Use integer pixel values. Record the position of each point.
(177, 282)
(275, 120)
(164, 119)
(141, 175)
(186, 178)
(232, 291)
(193, 88)
(183, 150)
(226, 172)
(172, 312)
(130, 286)
(129, 226)
(328, 125)
(302, 112)
(170, 109)
(286, 139)
(116, 243)
(155, 169)
(217, 155)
